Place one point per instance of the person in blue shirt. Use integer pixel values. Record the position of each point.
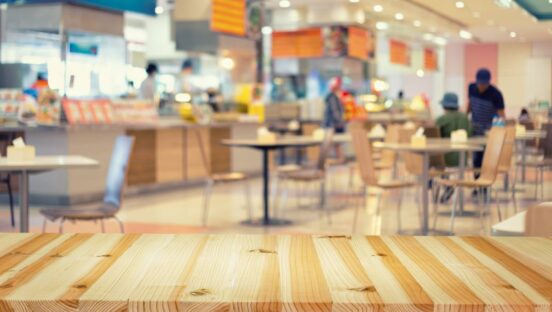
(485, 102)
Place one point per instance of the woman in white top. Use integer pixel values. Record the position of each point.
(148, 88)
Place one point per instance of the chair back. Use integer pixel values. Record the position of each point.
(435, 161)
(325, 149)
(389, 157)
(493, 152)
(413, 163)
(547, 141)
(508, 149)
(537, 220)
(118, 171)
(363, 153)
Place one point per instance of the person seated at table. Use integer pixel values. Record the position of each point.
(452, 120)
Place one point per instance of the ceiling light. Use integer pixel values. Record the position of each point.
(440, 41)
(159, 10)
(464, 34)
(378, 8)
(382, 26)
(420, 73)
(417, 23)
(459, 4)
(513, 34)
(284, 3)
(428, 36)
(227, 63)
(399, 16)
(353, 1)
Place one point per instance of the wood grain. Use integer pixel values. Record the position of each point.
(140, 272)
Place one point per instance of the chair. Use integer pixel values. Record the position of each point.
(220, 178)
(367, 171)
(544, 162)
(388, 157)
(113, 196)
(5, 140)
(537, 220)
(487, 178)
(315, 174)
(505, 163)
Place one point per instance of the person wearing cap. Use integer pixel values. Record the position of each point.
(485, 103)
(452, 120)
(334, 113)
(184, 81)
(148, 88)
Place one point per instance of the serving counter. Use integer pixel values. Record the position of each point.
(166, 154)
(116, 272)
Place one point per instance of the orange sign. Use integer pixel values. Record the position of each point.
(229, 16)
(431, 59)
(359, 43)
(399, 52)
(297, 44)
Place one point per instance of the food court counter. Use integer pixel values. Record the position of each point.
(166, 154)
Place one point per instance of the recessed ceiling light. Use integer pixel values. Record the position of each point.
(382, 26)
(513, 34)
(459, 4)
(464, 34)
(284, 3)
(378, 8)
(420, 73)
(399, 16)
(159, 10)
(417, 23)
(353, 1)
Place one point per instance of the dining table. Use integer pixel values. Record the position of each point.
(426, 151)
(38, 164)
(233, 272)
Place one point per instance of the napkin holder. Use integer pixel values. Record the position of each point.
(520, 130)
(319, 134)
(459, 136)
(418, 140)
(21, 153)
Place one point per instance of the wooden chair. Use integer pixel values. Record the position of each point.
(5, 140)
(214, 179)
(505, 164)
(367, 171)
(542, 163)
(487, 178)
(113, 196)
(313, 175)
(388, 158)
(538, 220)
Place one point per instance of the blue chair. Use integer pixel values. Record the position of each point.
(113, 196)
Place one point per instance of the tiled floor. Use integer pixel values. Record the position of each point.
(180, 212)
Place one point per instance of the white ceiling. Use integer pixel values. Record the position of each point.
(483, 18)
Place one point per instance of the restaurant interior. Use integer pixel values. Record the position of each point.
(275, 155)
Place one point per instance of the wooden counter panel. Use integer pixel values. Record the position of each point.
(221, 158)
(170, 149)
(195, 167)
(134, 272)
(142, 167)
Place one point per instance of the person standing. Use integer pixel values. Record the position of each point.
(485, 102)
(148, 88)
(334, 113)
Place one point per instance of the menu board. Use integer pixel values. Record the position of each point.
(399, 52)
(297, 44)
(361, 43)
(88, 111)
(134, 111)
(10, 100)
(229, 17)
(431, 59)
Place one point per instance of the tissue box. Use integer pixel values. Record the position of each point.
(267, 137)
(520, 130)
(23, 153)
(418, 140)
(459, 136)
(319, 134)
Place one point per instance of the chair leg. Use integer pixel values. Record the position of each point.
(378, 204)
(454, 208)
(436, 195)
(121, 224)
(102, 223)
(357, 207)
(10, 195)
(497, 201)
(61, 225)
(248, 200)
(44, 226)
(323, 201)
(542, 184)
(399, 204)
(206, 197)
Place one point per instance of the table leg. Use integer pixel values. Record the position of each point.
(425, 195)
(24, 202)
(461, 174)
(523, 159)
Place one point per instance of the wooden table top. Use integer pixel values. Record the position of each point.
(138, 272)
(41, 163)
(431, 147)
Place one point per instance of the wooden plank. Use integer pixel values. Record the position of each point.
(117, 272)
(142, 164)
(221, 157)
(195, 167)
(169, 159)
